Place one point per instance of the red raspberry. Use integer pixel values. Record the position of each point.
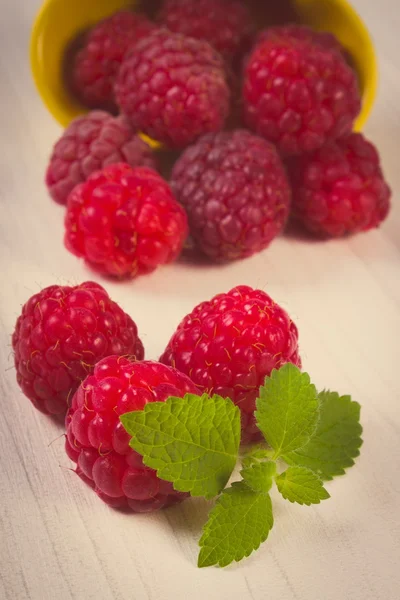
(340, 188)
(96, 65)
(229, 345)
(61, 334)
(225, 24)
(125, 222)
(299, 95)
(302, 33)
(99, 444)
(235, 191)
(90, 143)
(173, 88)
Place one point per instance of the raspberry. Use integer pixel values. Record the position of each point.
(229, 345)
(173, 88)
(61, 334)
(99, 444)
(340, 188)
(302, 33)
(235, 191)
(124, 222)
(299, 95)
(225, 24)
(90, 143)
(96, 65)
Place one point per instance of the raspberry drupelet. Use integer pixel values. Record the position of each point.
(235, 191)
(299, 95)
(95, 65)
(340, 189)
(225, 24)
(173, 88)
(302, 33)
(227, 346)
(62, 332)
(98, 443)
(90, 143)
(125, 222)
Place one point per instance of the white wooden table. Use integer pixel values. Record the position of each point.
(57, 540)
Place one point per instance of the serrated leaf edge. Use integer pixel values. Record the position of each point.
(213, 516)
(180, 485)
(340, 471)
(274, 373)
(306, 503)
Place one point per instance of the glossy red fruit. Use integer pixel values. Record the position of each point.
(61, 334)
(340, 189)
(99, 444)
(225, 24)
(234, 188)
(173, 88)
(227, 346)
(299, 95)
(302, 33)
(125, 222)
(96, 65)
(90, 143)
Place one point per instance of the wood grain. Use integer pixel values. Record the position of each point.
(57, 540)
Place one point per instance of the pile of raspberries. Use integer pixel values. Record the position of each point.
(78, 355)
(257, 125)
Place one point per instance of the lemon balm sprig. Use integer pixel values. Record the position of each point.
(193, 442)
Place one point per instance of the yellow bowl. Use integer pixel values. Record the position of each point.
(60, 21)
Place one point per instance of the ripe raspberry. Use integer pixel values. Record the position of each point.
(299, 95)
(229, 345)
(235, 191)
(90, 143)
(125, 222)
(340, 188)
(225, 24)
(96, 65)
(61, 334)
(99, 444)
(302, 33)
(173, 88)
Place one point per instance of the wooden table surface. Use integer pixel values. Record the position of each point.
(57, 540)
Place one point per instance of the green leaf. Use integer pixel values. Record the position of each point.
(298, 484)
(240, 521)
(255, 454)
(337, 440)
(192, 441)
(259, 477)
(287, 409)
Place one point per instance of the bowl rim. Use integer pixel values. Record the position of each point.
(371, 83)
(45, 92)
